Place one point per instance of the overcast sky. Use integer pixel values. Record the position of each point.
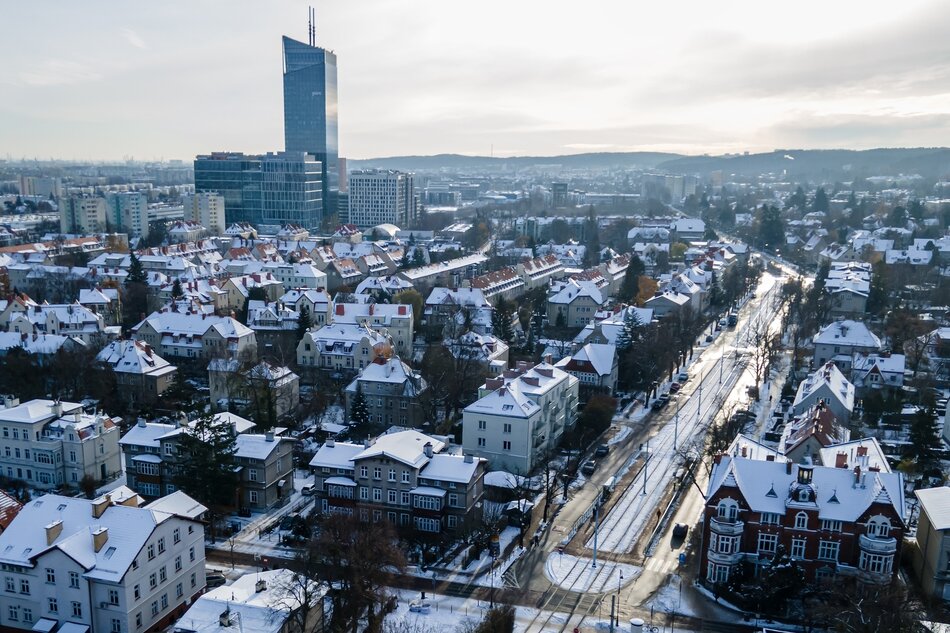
(104, 79)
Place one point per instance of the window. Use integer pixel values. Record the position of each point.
(453, 500)
(798, 548)
(453, 521)
(152, 580)
(507, 427)
(178, 563)
(252, 474)
(830, 526)
(728, 510)
(74, 579)
(879, 527)
(176, 535)
(406, 477)
(154, 607)
(179, 592)
(113, 596)
(728, 544)
(27, 615)
(162, 574)
(377, 473)
(191, 554)
(392, 474)
(801, 521)
(252, 496)
(164, 601)
(768, 543)
(138, 620)
(404, 500)
(828, 550)
(77, 609)
(11, 584)
(52, 606)
(364, 493)
(193, 580)
(136, 592)
(364, 472)
(25, 586)
(481, 442)
(506, 445)
(769, 518)
(482, 425)
(427, 503)
(151, 551)
(427, 525)
(50, 576)
(13, 613)
(116, 625)
(391, 498)
(876, 563)
(717, 573)
(161, 545)
(377, 494)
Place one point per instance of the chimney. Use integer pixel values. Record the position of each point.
(857, 476)
(402, 310)
(148, 350)
(549, 359)
(367, 442)
(140, 422)
(427, 449)
(862, 451)
(225, 618)
(744, 451)
(57, 408)
(468, 458)
(340, 309)
(331, 442)
(99, 537)
(788, 468)
(53, 531)
(841, 460)
(260, 585)
(269, 436)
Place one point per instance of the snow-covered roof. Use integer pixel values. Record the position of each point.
(179, 504)
(848, 333)
(935, 502)
(507, 400)
(596, 356)
(336, 455)
(37, 410)
(403, 446)
(573, 290)
(765, 486)
(133, 357)
(147, 435)
(443, 467)
(830, 377)
(865, 452)
(43, 344)
(256, 446)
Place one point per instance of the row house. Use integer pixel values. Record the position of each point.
(505, 283)
(51, 444)
(392, 391)
(24, 316)
(520, 416)
(575, 303)
(298, 275)
(406, 477)
(181, 335)
(105, 302)
(342, 347)
(540, 271)
(450, 273)
(263, 461)
(831, 521)
(141, 374)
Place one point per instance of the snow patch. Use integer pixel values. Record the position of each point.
(575, 573)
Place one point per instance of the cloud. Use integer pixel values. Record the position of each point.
(59, 72)
(133, 38)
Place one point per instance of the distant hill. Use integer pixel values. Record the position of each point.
(821, 164)
(815, 164)
(458, 161)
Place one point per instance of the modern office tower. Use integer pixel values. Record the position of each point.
(82, 214)
(559, 191)
(275, 188)
(207, 209)
(237, 178)
(381, 197)
(128, 211)
(310, 110)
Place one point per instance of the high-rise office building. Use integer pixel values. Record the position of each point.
(128, 211)
(207, 209)
(381, 197)
(274, 188)
(82, 214)
(310, 110)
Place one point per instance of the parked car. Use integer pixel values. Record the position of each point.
(602, 450)
(675, 387)
(658, 404)
(214, 579)
(589, 467)
(680, 530)
(682, 376)
(306, 490)
(665, 398)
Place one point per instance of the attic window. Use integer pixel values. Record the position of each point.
(506, 407)
(61, 507)
(771, 492)
(834, 497)
(109, 552)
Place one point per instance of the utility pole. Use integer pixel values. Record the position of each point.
(676, 425)
(593, 565)
(646, 463)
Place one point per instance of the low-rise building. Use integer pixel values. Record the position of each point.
(25, 316)
(575, 303)
(271, 391)
(831, 521)
(828, 385)
(538, 272)
(405, 477)
(596, 367)
(505, 283)
(182, 335)
(392, 392)
(931, 559)
(397, 320)
(840, 341)
(50, 444)
(342, 347)
(102, 565)
(877, 371)
(141, 375)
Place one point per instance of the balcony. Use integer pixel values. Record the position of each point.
(726, 527)
(724, 559)
(874, 545)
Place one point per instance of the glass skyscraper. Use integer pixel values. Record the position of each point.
(310, 111)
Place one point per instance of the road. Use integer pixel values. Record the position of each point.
(719, 379)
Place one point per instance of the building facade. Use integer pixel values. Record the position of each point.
(128, 211)
(81, 214)
(207, 209)
(392, 392)
(381, 197)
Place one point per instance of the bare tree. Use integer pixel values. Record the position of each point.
(300, 595)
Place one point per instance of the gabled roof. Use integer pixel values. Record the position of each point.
(403, 446)
(935, 502)
(848, 333)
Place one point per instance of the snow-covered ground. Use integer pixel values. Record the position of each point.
(576, 573)
(620, 436)
(669, 598)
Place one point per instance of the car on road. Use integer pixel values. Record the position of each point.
(709, 338)
(657, 404)
(682, 376)
(602, 450)
(665, 398)
(675, 387)
(589, 467)
(306, 490)
(214, 579)
(680, 530)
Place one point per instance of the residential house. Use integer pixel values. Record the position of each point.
(404, 477)
(444, 304)
(520, 416)
(485, 349)
(342, 346)
(392, 392)
(103, 566)
(102, 301)
(595, 365)
(826, 384)
(25, 316)
(805, 436)
(832, 521)
(540, 271)
(575, 303)
(239, 288)
(668, 303)
(877, 371)
(505, 283)
(396, 319)
(197, 336)
(270, 390)
(298, 275)
(316, 300)
(931, 557)
(51, 444)
(838, 342)
(141, 375)
(9, 508)
(387, 285)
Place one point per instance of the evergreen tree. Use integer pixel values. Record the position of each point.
(359, 414)
(592, 254)
(820, 203)
(924, 440)
(136, 272)
(771, 227)
(205, 467)
(797, 199)
(177, 292)
(501, 320)
(630, 332)
(417, 258)
(630, 286)
(304, 322)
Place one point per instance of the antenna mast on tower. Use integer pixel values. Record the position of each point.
(311, 26)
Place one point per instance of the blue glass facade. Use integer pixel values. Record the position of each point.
(310, 110)
(237, 178)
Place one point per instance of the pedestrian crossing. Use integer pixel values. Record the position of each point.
(661, 565)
